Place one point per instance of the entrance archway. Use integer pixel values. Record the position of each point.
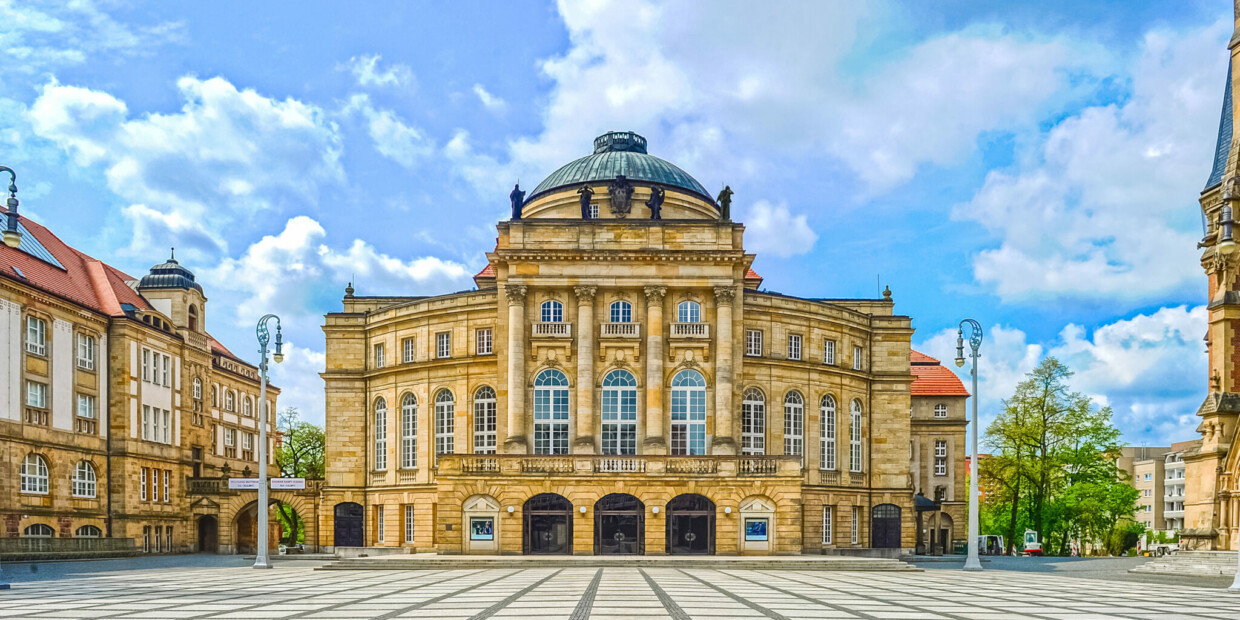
(246, 529)
(885, 527)
(690, 525)
(943, 537)
(619, 525)
(349, 517)
(548, 524)
(208, 534)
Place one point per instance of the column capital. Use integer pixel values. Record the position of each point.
(515, 293)
(655, 293)
(585, 293)
(725, 294)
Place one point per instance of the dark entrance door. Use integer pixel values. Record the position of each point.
(690, 525)
(349, 518)
(208, 534)
(619, 525)
(548, 524)
(885, 527)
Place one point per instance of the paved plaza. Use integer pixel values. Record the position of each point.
(295, 590)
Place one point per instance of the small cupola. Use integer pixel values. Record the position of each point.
(170, 274)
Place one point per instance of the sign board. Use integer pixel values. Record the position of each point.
(243, 484)
(288, 483)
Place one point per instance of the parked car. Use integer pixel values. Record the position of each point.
(989, 544)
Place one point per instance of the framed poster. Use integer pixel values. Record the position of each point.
(755, 529)
(481, 528)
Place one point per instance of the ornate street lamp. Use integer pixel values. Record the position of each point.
(261, 559)
(972, 563)
(12, 236)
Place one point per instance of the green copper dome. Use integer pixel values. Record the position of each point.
(620, 153)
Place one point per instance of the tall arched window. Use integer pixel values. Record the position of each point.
(619, 412)
(409, 431)
(445, 424)
(230, 401)
(84, 480)
(794, 424)
(484, 420)
(621, 312)
(688, 312)
(552, 312)
(248, 407)
(551, 412)
(193, 318)
(34, 475)
(197, 388)
(688, 413)
(827, 424)
(380, 434)
(753, 422)
(854, 438)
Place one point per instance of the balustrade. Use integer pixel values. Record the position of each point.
(619, 465)
(553, 330)
(691, 330)
(620, 330)
(39, 417)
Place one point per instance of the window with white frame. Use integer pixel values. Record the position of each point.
(408, 523)
(34, 475)
(88, 531)
(753, 342)
(167, 434)
(167, 485)
(794, 346)
(940, 410)
(247, 407)
(86, 406)
(828, 353)
(753, 422)
(940, 458)
(619, 415)
(689, 312)
(38, 530)
(443, 345)
(409, 432)
(854, 438)
(827, 431)
(166, 376)
(247, 441)
(407, 350)
(146, 365)
(36, 335)
(230, 400)
(794, 424)
(551, 412)
(593, 211)
(86, 352)
(688, 413)
(379, 524)
(484, 420)
(146, 422)
(552, 311)
(445, 424)
(230, 437)
(856, 525)
(857, 365)
(197, 388)
(379, 355)
(827, 518)
(483, 339)
(380, 434)
(142, 493)
(36, 394)
(84, 479)
(621, 312)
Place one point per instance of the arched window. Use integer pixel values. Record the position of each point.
(854, 438)
(380, 434)
(409, 431)
(38, 530)
(445, 424)
(197, 388)
(193, 318)
(84, 480)
(753, 422)
(688, 413)
(248, 407)
(621, 312)
(552, 312)
(827, 424)
(551, 412)
(794, 424)
(88, 531)
(230, 401)
(688, 312)
(619, 412)
(484, 420)
(34, 475)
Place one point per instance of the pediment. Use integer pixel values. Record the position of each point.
(757, 504)
(481, 503)
(204, 503)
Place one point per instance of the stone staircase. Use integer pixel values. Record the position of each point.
(1208, 563)
(458, 562)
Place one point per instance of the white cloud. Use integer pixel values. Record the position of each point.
(392, 137)
(1101, 207)
(299, 381)
(489, 101)
(366, 71)
(772, 229)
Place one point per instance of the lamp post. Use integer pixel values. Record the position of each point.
(12, 236)
(972, 563)
(261, 559)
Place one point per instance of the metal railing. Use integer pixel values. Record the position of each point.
(620, 330)
(553, 330)
(690, 330)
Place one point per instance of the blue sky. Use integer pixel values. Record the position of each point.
(1033, 167)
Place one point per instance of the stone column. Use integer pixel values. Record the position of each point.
(583, 443)
(516, 442)
(723, 441)
(656, 441)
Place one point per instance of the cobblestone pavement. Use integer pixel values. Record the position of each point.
(294, 590)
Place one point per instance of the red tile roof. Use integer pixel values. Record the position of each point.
(487, 272)
(752, 275)
(934, 379)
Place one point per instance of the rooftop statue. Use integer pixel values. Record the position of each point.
(517, 197)
(655, 203)
(621, 192)
(587, 195)
(725, 203)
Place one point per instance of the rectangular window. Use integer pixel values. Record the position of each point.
(167, 478)
(168, 537)
(146, 422)
(856, 358)
(619, 419)
(86, 406)
(409, 523)
(86, 352)
(146, 538)
(828, 353)
(146, 366)
(247, 441)
(36, 336)
(940, 410)
(753, 343)
(167, 364)
(484, 421)
(594, 211)
(484, 341)
(230, 437)
(142, 482)
(794, 347)
(36, 394)
(167, 426)
(940, 458)
(154, 485)
(856, 525)
(443, 345)
(379, 524)
(407, 350)
(826, 525)
(379, 355)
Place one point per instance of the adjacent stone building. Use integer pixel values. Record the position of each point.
(619, 383)
(939, 422)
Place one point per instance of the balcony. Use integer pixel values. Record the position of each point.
(1173, 514)
(691, 331)
(517, 465)
(553, 330)
(38, 417)
(86, 426)
(620, 330)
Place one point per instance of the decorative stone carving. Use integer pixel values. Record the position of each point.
(515, 293)
(621, 193)
(725, 295)
(655, 293)
(585, 293)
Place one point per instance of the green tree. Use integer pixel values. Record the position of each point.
(300, 455)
